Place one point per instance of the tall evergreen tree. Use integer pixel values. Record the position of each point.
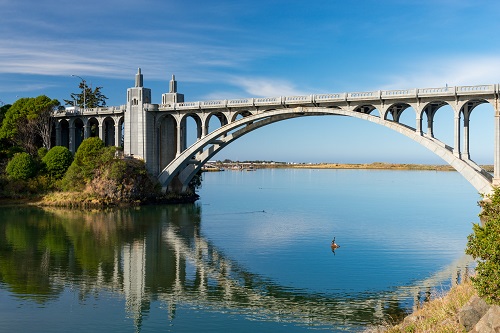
(87, 97)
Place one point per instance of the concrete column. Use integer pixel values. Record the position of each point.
(199, 129)
(496, 161)
(179, 140)
(456, 146)
(86, 131)
(418, 125)
(204, 129)
(102, 135)
(58, 134)
(118, 133)
(465, 154)
(72, 139)
(430, 127)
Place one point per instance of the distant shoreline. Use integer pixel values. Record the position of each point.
(373, 166)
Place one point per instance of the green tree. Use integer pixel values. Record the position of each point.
(57, 161)
(484, 245)
(87, 97)
(86, 160)
(3, 110)
(27, 120)
(21, 166)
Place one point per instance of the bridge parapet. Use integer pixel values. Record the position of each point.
(329, 97)
(77, 111)
(187, 105)
(399, 93)
(268, 101)
(444, 91)
(492, 88)
(299, 99)
(240, 102)
(363, 95)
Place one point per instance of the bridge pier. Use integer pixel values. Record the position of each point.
(496, 172)
(456, 146)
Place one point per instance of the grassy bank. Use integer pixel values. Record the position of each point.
(440, 315)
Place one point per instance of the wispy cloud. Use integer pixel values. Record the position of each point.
(470, 70)
(114, 59)
(262, 86)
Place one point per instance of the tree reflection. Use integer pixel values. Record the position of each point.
(155, 253)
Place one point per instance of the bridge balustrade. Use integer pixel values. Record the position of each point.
(213, 104)
(187, 105)
(446, 91)
(268, 101)
(399, 93)
(299, 99)
(329, 97)
(477, 89)
(241, 102)
(361, 95)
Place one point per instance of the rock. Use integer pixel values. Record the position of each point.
(470, 314)
(490, 322)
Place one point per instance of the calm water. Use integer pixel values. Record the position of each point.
(253, 255)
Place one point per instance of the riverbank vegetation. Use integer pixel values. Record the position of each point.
(31, 170)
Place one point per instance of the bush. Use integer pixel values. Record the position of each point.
(484, 244)
(21, 166)
(42, 152)
(87, 159)
(57, 161)
(124, 181)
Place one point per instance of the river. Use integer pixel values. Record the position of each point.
(252, 255)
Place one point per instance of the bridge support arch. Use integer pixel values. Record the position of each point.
(187, 164)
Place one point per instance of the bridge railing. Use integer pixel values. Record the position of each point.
(323, 98)
(399, 93)
(471, 90)
(240, 102)
(302, 99)
(77, 111)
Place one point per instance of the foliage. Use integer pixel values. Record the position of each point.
(85, 162)
(123, 180)
(3, 110)
(97, 170)
(27, 120)
(439, 315)
(57, 161)
(42, 151)
(87, 98)
(484, 244)
(195, 182)
(21, 166)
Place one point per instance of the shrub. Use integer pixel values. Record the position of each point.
(42, 152)
(87, 159)
(484, 244)
(21, 166)
(57, 161)
(124, 180)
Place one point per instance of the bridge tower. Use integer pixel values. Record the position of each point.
(170, 134)
(139, 124)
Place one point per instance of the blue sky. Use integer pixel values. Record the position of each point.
(235, 49)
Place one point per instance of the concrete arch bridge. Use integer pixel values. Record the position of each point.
(157, 132)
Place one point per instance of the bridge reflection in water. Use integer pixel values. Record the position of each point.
(157, 253)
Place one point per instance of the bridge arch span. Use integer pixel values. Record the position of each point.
(190, 161)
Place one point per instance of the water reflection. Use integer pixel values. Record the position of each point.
(157, 253)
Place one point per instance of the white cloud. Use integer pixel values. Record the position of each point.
(265, 87)
(470, 70)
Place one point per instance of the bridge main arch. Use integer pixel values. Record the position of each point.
(190, 161)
